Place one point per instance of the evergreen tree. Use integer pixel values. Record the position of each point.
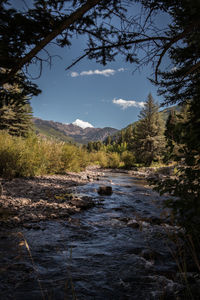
(16, 119)
(15, 110)
(108, 140)
(128, 134)
(170, 135)
(182, 85)
(149, 139)
(90, 146)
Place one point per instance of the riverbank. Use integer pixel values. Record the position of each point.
(48, 197)
(44, 197)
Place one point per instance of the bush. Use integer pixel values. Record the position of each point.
(128, 159)
(113, 160)
(99, 158)
(33, 156)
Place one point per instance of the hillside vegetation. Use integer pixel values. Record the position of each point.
(71, 132)
(32, 155)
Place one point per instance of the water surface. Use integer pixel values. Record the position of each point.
(117, 250)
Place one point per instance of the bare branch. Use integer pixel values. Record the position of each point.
(77, 60)
(59, 29)
(138, 41)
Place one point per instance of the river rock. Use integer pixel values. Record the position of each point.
(105, 190)
(133, 223)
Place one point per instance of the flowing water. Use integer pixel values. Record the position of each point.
(118, 249)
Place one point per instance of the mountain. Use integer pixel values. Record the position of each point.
(71, 132)
(166, 112)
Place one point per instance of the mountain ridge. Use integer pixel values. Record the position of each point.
(71, 132)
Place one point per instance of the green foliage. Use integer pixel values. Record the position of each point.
(182, 85)
(128, 159)
(16, 119)
(149, 139)
(15, 109)
(185, 186)
(33, 156)
(113, 160)
(51, 133)
(106, 159)
(116, 147)
(95, 146)
(175, 133)
(99, 158)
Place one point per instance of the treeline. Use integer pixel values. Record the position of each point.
(149, 141)
(22, 153)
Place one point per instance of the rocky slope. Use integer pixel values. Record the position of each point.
(70, 132)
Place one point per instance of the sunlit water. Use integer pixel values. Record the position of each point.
(95, 254)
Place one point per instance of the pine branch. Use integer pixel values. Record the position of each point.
(173, 41)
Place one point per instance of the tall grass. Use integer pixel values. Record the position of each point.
(33, 156)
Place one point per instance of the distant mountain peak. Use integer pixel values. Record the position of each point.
(72, 131)
(82, 124)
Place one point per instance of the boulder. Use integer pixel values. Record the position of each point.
(105, 190)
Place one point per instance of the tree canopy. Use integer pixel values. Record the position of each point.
(111, 27)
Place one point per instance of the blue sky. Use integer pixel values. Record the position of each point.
(91, 92)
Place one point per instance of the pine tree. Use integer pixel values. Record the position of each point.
(15, 109)
(149, 139)
(129, 134)
(171, 136)
(16, 119)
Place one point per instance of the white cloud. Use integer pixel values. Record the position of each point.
(128, 103)
(121, 70)
(105, 72)
(82, 124)
(74, 74)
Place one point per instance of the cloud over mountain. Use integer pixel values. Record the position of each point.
(82, 124)
(128, 103)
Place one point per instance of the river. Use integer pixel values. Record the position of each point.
(118, 249)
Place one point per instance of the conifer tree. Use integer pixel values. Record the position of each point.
(182, 85)
(149, 139)
(15, 109)
(16, 119)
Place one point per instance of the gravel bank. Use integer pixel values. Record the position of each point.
(26, 200)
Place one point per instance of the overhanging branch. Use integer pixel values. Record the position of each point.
(64, 25)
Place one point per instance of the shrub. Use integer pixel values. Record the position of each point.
(33, 156)
(113, 160)
(99, 158)
(128, 159)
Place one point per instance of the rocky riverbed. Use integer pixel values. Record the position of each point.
(52, 196)
(43, 197)
(64, 240)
